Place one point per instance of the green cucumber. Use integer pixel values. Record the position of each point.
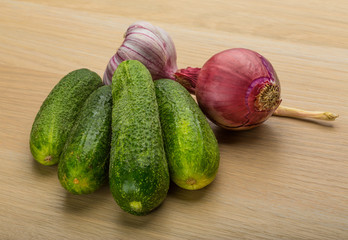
(190, 144)
(138, 173)
(57, 114)
(84, 162)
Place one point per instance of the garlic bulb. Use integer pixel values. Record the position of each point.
(148, 44)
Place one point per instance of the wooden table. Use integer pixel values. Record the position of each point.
(284, 180)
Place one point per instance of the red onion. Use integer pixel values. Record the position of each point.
(237, 89)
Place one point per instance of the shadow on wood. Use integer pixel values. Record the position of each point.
(187, 195)
(42, 170)
(84, 202)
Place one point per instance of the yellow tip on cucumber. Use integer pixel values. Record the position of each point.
(136, 206)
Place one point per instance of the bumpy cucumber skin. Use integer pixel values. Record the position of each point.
(57, 114)
(84, 162)
(138, 173)
(190, 144)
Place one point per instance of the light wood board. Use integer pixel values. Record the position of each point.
(284, 180)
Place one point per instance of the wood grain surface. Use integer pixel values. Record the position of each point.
(286, 179)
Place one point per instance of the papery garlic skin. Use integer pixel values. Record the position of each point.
(148, 44)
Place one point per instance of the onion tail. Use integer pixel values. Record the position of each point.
(299, 113)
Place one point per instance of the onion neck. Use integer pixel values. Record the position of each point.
(188, 78)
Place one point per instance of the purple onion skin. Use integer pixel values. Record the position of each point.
(231, 87)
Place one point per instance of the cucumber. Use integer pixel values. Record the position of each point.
(57, 114)
(138, 173)
(190, 144)
(84, 162)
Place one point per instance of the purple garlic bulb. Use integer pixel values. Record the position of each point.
(148, 44)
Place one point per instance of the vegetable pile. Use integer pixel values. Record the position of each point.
(139, 133)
